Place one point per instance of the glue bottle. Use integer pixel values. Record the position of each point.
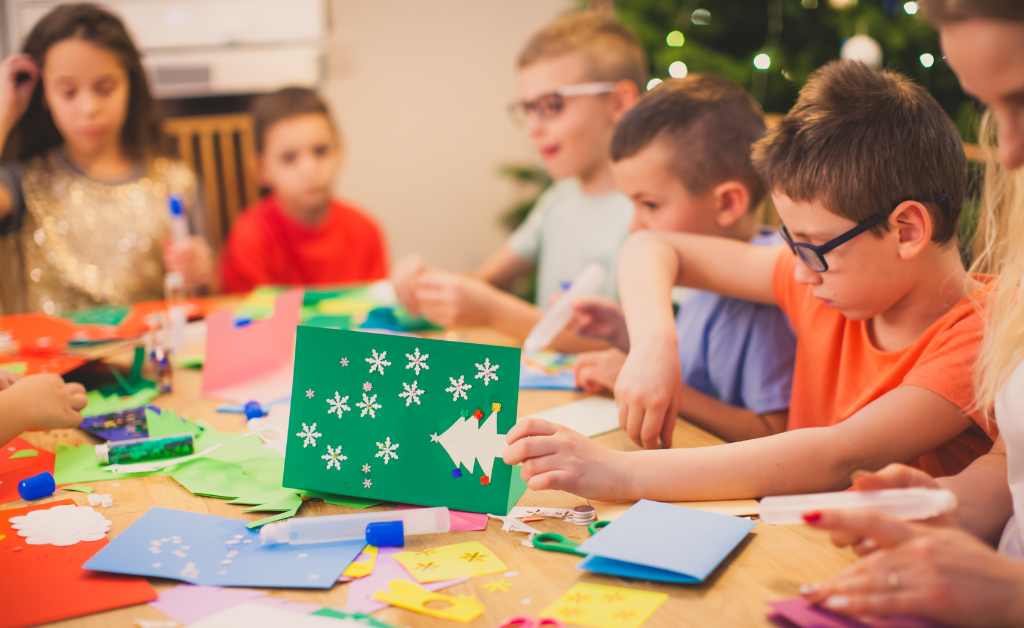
(332, 528)
(174, 283)
(559, 314)
(908, 504)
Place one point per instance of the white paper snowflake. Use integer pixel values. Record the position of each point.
(310, 393)
(367, 386)
(344, 361)
(487, 371)
(369, 404)
(309, 435)
(387, 450)
(377, 362)
(367, 483)
(417, 361)
(411, 394)
(62, 525)
(338, 404)
(458, 388)
(334, 457)
(366, 468)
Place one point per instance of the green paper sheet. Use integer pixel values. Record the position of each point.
(167, 423)
(98, 404)
(262, 522)
(14, 367)
(341, 500)
(24, 453)
(362, 618)
(77, 489)
(100, 315)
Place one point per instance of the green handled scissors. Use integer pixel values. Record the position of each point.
(551, 542)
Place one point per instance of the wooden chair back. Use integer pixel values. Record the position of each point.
(221, 151)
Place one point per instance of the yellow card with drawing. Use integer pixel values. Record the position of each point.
(462, 560)
(405, 594)
(604, 607)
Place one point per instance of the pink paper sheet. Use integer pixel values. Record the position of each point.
(461, 521)
(360, 592)
(799, 613)
(188, 603)
(253, 362)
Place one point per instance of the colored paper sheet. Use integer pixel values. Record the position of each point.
(117, 426)
(385, 570)
(656, 541)
(46, 583)
(410, 596)
(14, 367)
(461, 521)
(800, 614)
(44, 363)
(461, 560)
(287, 605)
(16, 469)
(250, 615)
(362, 618)
(219, 551)
(253, 362)
(590, 416)
(544, 370)
(188, 603)
(24, 453)
(604, 607)
(99, 404)
(426, 426)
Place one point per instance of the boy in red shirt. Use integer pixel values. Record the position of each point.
(298, 234)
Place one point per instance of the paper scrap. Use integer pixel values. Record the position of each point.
(385, 570)
(23, 453)
(189, 603)
(61, 525)
(528, 511)
(604, 607)
(451, 561)
(250, 615)
(407, 595)
(362, 566)
(511, 524)
(362, 618)
(77, 489)
(590, 416)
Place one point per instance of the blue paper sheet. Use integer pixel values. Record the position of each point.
(219, 551)
(663, 542)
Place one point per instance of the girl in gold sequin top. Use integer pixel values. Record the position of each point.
(83, 180)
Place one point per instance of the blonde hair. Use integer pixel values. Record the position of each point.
(1000, 252)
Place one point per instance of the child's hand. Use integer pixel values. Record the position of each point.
(648, 391)
(448, 299)
(404, 277)
(14, 95)
(596, 371)
(46, 402)
(555, 457)
(600, 317)
(193, 258)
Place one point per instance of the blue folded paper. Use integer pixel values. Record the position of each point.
(663, 542)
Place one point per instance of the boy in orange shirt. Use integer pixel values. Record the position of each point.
(868, 175)
(299, 234)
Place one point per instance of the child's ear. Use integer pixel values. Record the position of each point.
(732, 199)
(912, 223)
(624, 96)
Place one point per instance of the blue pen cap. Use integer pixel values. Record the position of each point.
(385, 534)
(176, 204)
(253, 410)
(37, 486)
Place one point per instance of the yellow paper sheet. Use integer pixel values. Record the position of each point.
(362, 568)
(462, 560)
(405, 594)
(604, 607)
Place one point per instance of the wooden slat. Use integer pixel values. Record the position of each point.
(229, 170)
(208, 167)
(245, 140)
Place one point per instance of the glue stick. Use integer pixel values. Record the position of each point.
(559, 315)
(332, 528)
(174, 282)
(908, 504)
(145, 449)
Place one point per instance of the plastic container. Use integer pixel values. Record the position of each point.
(907, 504)
(330, 529)
(145, 449)
(556, 318)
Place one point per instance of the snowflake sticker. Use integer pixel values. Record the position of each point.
(367, 483)
(334, 457)
(309, 435)
(377, 362)
(63, 525)
(366, 468)
(367, 386)
(417, 361)
(344, 361)
(458, 388)
(310, 393)
(387, 450)
(369, 404)
(338, 404)
(487, 371)
(411, 394)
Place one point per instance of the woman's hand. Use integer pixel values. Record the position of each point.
(19, 76)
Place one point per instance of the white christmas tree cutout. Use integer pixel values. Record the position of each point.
(468, 445)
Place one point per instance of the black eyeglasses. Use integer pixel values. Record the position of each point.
(548, 106)
(813, 256)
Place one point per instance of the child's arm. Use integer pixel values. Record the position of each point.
(504, 267)
(650, 263)
(18, 77)
(39, 402)
(903, 424)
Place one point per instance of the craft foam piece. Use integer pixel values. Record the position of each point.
(254, 361)
(656, 541)
(461, 560)
(460, 521)
(799, 613)
(50, 583)
(405, 594)
(61, 525)
(604, 607)
(590, 416)
(385, 570)
(361, 567)
(16, 469)
(610, 511)
(250, 615)
(399, 406)
(188, 603)
(218, 554)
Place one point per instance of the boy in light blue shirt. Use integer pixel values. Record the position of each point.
(682, 156)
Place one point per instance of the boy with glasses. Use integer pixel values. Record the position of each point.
(886, 317)
(577, 77)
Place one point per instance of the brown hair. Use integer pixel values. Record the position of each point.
(286, 103)
(612, 50)
(862, 140)
(35, 133)
(708, 120)
(945, 11)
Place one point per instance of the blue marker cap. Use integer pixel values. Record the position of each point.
(253, 410)
(385, 534)
(176, 205)
(565, 285)
(37, 486)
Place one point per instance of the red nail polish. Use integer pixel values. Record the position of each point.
(811, 517)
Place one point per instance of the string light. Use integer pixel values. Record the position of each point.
(654, 82)
(677, 69)
(910, 8)
(701, 17)
(675, 39)
(927, 60)
(762, 61)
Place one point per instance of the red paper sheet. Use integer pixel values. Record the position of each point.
(44, 583)
(14, 471)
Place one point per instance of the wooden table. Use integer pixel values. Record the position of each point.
(769, 565)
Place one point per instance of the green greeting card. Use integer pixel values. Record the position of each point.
(403, 419)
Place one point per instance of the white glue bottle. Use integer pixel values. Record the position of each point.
(174, 283)
(907, 504)
(333, 528)
(559, 314)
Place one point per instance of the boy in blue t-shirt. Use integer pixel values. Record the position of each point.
(682, 156)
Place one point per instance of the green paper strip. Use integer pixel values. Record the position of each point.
(262, 522)
(79, 489)
(191, 361)
(362, 618)
(23, 453)
(14, 367)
